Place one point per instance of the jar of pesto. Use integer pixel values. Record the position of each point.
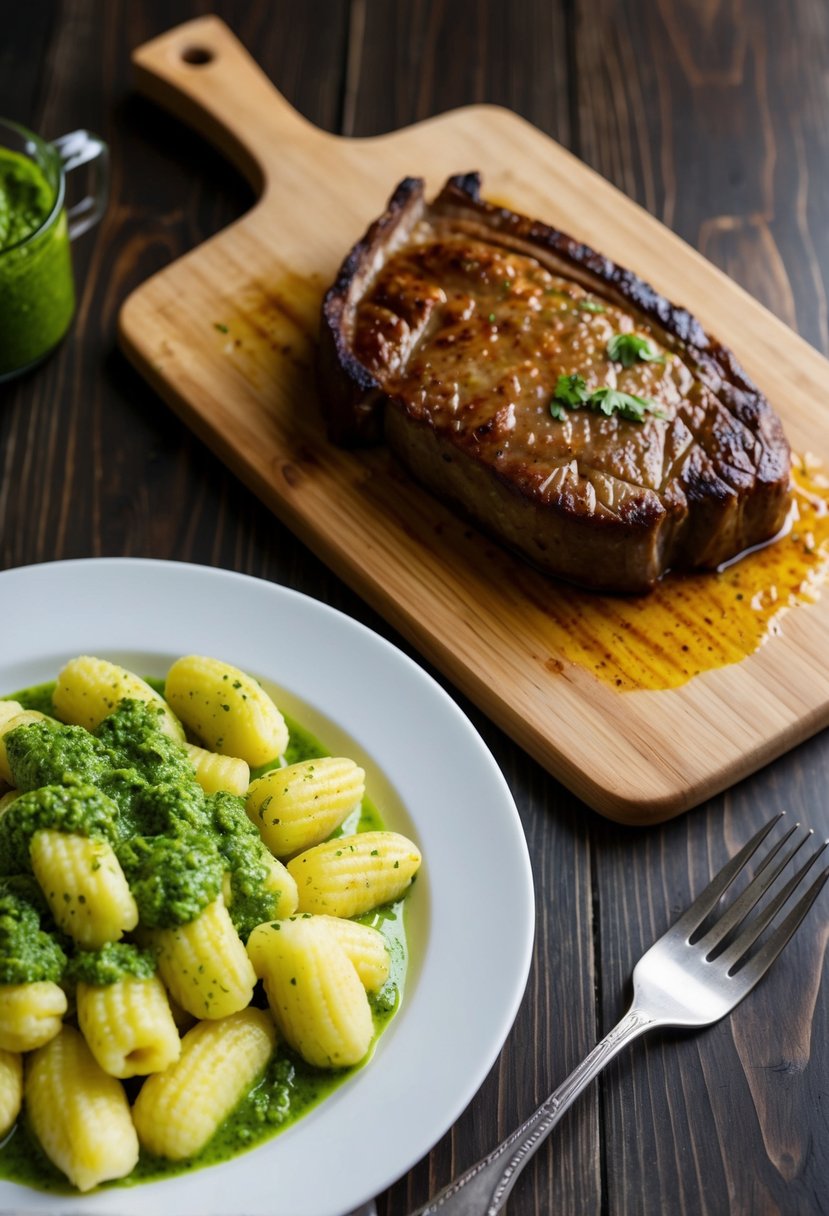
(37, 290)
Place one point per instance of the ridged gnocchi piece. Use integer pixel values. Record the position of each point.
(313, 989)
(11, 1089)
(283, 884)
(216, 773)
(24, 718)
(350, 875)
(366, 947)
(84, 886)
(226, 709)
(177, 1111)
(128, 1026)
(79, 1113)
(89, 689)
(301, 805)
(30, 1014)
(203, 964)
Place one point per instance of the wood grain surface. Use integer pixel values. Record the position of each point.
(712, 115)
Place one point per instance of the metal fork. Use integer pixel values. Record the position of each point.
(692, 976)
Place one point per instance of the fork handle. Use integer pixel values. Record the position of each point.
(483, 1189)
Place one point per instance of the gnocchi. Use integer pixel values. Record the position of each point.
(184, 871)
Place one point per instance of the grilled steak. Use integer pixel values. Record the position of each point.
(562, 403)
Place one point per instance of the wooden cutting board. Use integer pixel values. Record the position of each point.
(227, 336)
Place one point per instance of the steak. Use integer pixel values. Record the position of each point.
(556, 399)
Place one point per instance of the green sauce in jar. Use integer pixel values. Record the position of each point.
(37, 295)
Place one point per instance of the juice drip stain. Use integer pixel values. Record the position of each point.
(694, 623)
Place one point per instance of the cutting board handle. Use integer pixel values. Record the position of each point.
(204, 76)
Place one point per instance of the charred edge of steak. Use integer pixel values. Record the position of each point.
(352, 395)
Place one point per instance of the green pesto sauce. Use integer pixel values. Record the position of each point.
(37, 294)
(171, 877)
(42, 753)
(111, 963)
(80, 809)
(289, 1087)
(160, 821)
(244, 856)
(26, 198)
(38, 697)
(27, 953)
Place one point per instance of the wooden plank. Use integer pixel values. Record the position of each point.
(27, 30)
(718, 134)
(226, 335)
(408, 62)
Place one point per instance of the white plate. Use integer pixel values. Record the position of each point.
(470, 917)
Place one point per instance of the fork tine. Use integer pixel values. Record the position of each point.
(763, 879)
(757, 966)
(730, 958)
(705, 902)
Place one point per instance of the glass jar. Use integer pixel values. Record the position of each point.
(37, 289)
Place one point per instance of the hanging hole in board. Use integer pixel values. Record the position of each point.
(197, 56)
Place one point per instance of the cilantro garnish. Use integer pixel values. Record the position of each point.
(571, 391)
(628, 349)
(626, 405)
(571, 394)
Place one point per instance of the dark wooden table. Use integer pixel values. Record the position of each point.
(714, 114)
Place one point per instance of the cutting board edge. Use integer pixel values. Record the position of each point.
(623, 801)
(629, 811)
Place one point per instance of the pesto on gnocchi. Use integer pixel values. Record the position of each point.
(201, 921)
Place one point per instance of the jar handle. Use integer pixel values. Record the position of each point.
(83, 148)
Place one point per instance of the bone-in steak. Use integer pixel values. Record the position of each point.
(506, 365)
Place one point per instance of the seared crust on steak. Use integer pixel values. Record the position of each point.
(445, 334)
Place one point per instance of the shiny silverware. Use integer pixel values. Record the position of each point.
(692, 976)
